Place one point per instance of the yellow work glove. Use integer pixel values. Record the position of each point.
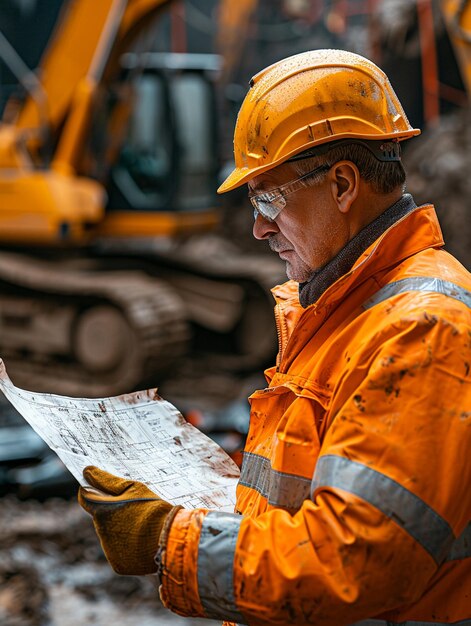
(128, 518)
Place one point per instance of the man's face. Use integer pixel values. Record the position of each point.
(308, 232)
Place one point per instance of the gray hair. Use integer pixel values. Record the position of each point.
(383, 177)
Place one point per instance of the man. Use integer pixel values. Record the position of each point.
(354, 500)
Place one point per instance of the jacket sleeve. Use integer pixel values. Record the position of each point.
(388, 499)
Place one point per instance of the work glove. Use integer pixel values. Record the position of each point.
(128, 518)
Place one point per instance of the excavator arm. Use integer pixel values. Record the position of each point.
(83, 54)
(457, 16)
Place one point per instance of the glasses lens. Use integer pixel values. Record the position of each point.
(268, 205)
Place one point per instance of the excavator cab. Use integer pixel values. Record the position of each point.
(168, 162)
(169, 158)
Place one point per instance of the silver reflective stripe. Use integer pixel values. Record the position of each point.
(371, 622)
(420, 283)
(461, 548)
(281, 489)
(216, 565)
(395, 501)
(382, 622)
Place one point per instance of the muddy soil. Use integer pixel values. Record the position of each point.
(53, 573)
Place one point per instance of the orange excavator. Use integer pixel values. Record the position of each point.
(457, 17)
(108, 170)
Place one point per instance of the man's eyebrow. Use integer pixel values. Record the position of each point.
(263, 186)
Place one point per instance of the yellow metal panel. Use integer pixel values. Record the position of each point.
(47, 207)
(157, 224)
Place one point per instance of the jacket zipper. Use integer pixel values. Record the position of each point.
(279, 318)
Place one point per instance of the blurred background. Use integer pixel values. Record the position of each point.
(120, 268)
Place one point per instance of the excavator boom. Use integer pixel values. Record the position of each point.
(457, 16)
(89, 37)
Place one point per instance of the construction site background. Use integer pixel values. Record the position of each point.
(52, 570)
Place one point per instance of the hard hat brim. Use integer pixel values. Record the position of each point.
(239, 176)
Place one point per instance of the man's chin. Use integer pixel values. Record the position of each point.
(298, 274)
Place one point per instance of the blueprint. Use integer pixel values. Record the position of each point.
(138, 436)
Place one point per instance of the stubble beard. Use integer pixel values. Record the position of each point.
(300, 272)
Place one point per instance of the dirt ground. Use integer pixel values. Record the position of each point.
(53, 573)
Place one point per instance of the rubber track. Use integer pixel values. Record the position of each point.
(215, 258)
(152, 309)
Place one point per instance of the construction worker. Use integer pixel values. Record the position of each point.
(354, 498)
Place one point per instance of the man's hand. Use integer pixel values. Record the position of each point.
(128, 518)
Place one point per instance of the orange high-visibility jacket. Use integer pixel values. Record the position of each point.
(355, 490)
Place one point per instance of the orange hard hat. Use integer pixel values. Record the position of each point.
(311, 99)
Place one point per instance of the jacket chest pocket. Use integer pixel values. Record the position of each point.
(282, 447)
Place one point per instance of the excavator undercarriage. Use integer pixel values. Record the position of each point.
(99, 326)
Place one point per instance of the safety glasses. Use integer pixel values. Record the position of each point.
(269, 204)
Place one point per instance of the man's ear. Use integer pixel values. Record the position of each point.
(344, 184)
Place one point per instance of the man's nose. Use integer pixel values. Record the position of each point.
(263, 228)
